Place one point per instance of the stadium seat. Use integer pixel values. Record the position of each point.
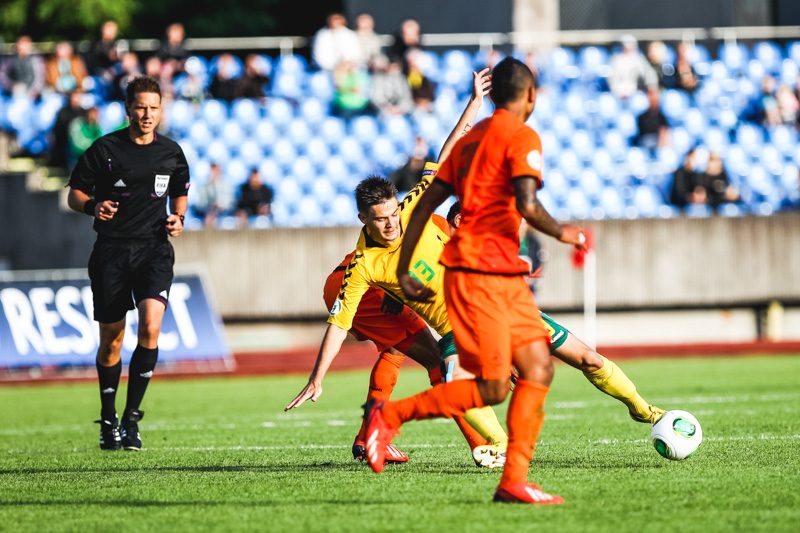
(556, 183)
(429, 129)
(674, 105)
(750, 137)
(695, 123)
(200, 170)
(627, 126)
(336, 170)
(303, 171)
(48, 108)
(734, 56)
(384, 153)
(638, 103)
(616, 144)
(289, 64)
(364, 128)
(583, 145)
(235, 171)
(350, 150)
(298, 132)
(638, 162)
(320, 86)
(343, 210)
(232, 134)
(288, 192)
(270, 171)
(607, 107)
(247, 112)
(217, 151)
(251, 153)
(332, 130)
(323, 190)
(215, 113)
(590, 183)
(279, 111)
(284, 152)
(399, 130)
(646, 200)
(574, 108)
(313, 111)
(784, 139)
(769, 55)
(200, 135)
(577, 204)
(317, 151)
(543, 112)
(179, 117)
(265, 133)
(611, 202)
(569, 164)
(288, 86)
(603, 163)
(563, 128)
(593, 61)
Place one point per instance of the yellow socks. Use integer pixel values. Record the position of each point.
(612, 380)
(485, 422)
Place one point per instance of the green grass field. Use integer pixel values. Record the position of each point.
(222, 455)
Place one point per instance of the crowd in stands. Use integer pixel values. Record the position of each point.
(682, 110)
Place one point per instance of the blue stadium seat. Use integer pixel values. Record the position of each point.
(284, 152)
(49, 107)
(593, 61)
(755, 71)
(265, 133)
(611, 202)
(638, 103)
(298, 132)
(615, 144)
(179, 117)
(279, 111)
(384, 153)
(235, 171)
(569, 164)
(550, 145)
(626, 124)
(200, 171)
(735, 56)
(309, 213)
(731, 210)
(343, 210)
(270, 171)
(769, 55)
(549, 203)
(590, 183)
(350, 150)
(607, 106)
(668, 159)
(563, 128)
(790, 182)
(323, 190)
(247, 112)
(784, 139)
(237, 66)
(288, 192)
(317, 151)
(217, 151)
(716, 140)
(719, 72)
(251, 153)
(681, 140)
(215, 113)
(543, 112)
(578, 205)
(19, 113)
(429, 129)
(583, 145)
(233, 134)
(603, 163)
(290, 64)
(332, 130)
(200, 135)
(698, 211)
(320, 86)
(695, 123)
(288, 86)
(303, 171)
(364, 128)
(556, 184)
(646, 200)
(399, 130)
(638, 162)
(750, 137)
(313, 111)
(336, 170)
(674, 105)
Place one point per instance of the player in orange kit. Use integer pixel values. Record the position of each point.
(495, 171)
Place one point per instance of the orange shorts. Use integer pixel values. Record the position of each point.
(491, 317)
(386, 331)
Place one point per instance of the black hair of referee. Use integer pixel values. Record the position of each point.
(124, 181)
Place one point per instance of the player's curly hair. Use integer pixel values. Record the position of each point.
(141, 84)
(373, 191)
(510, 79)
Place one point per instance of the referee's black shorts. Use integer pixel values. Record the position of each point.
(125, 272)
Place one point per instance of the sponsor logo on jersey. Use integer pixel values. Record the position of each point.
(120, 183)
(337, 307)
(535, 160)
(161, 184)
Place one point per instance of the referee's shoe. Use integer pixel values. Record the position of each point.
(109, 434)
(129, 430)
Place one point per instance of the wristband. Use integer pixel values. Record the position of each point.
(88, 207)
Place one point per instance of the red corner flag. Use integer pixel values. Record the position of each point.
(579, 256)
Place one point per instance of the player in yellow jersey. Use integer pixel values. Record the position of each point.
(374, 265)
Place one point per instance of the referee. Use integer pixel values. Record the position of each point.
(122, 182)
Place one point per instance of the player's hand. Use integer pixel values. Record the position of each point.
(174, 225)
(106, 210)
(413, 289)
(481, 84)
(572, 234)
(391, 305)
(311, 391)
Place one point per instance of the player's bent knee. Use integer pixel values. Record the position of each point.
(493, 391)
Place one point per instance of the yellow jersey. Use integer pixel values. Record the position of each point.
(375, 265)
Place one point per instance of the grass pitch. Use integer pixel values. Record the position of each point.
(221, 455)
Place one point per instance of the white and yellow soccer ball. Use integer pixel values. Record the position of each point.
(677, 435)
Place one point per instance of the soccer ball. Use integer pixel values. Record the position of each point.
(677, 435)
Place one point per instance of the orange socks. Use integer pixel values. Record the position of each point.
(474, 439)
(525, 419)
(444, 400)
(382, 381)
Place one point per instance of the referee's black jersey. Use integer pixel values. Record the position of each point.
(138, 176)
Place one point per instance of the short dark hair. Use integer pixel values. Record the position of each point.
(454, 211)
(373, 191)
(510, 79)
(141, 84)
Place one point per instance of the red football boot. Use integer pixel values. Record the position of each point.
(526, 493)
(379, 435)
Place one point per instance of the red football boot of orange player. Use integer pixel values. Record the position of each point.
(526, 493)
(379, 435)
(393, 455)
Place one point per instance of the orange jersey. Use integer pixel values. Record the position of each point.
(370, 323)
(481, 169)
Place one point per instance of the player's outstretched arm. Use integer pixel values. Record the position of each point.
(331, 344)
(433, 197)
(481, 83)
(536, 215)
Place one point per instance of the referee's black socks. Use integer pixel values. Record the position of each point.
(109, 382)
(143, 362)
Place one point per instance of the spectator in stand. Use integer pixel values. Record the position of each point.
(23, 73)
(405, 177)
(685, 75)
(653, 125)
(83, 131)
(60, 132)
(162, 72)
(390, 91)
(173, 50)
(657, 58)
(685, 183)
(128, 69)
(253, 84)
(368, 41)
(335, 43)
(215, 198)
(103, 55)
(255, 198)
(421, 87)
(630, 71)
(763, 108)
(352, 91)
(787, 105)
(409, 38)
(224, 85)
(65, 71)
(716, 184)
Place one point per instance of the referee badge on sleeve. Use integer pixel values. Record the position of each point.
(161, 184)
